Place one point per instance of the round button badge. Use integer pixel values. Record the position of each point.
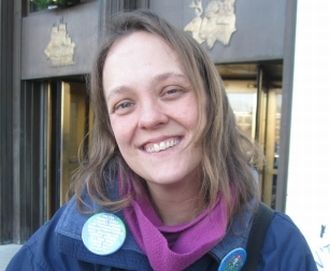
(103, 233)
(234, 260)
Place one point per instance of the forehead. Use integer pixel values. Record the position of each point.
(135, 44)
(137, 56)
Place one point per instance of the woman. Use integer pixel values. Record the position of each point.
(168, 184)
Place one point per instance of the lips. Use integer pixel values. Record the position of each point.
(162, 145)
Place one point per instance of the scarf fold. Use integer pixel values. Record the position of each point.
(175, 247)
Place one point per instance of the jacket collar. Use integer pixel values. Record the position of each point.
(238, 232)
(69, 241)
(130, 256)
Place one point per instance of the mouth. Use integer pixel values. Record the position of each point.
(162, 145)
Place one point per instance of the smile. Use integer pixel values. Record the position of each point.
(161, 146)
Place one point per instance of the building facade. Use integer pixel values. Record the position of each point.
(46, 56)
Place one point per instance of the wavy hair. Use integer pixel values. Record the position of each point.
(227, 153)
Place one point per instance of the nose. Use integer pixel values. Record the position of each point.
(152, 115)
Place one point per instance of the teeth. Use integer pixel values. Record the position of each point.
(161, 146)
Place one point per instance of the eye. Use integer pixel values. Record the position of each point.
(123, 107)
(172, 92)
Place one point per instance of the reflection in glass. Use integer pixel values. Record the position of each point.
(242, 96)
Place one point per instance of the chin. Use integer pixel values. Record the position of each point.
(167, 180)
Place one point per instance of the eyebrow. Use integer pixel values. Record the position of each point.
(116, 91)
(160, 77)
(164, 76)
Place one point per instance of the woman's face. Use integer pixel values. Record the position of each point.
(153, 109)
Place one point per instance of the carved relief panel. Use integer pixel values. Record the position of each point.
(213, 22)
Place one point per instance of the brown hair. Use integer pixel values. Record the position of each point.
(226, 159)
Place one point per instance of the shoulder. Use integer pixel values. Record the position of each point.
(58, 245)
(285, 248)
(41, 246)
(283, 230)
(55, 245)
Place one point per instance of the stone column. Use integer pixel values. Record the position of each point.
(6, 120)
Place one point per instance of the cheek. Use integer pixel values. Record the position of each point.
(121, 131)
(117, 130)
(189, 113)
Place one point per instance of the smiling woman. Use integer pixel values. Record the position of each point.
(157, 108)
(169, 183)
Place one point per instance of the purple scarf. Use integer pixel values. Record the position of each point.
(175, 247)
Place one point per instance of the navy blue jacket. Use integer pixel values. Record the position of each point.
(58, 246)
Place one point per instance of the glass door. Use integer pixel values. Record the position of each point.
(271, 145)
(68, 122)
(242, 96)
(256, 102)
(74, 128)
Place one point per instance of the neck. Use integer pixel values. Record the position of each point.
(176, 204)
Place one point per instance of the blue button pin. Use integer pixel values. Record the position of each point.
(234, 260)
(103, 233)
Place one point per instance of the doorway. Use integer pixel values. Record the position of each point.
(75, 123)
(255, 94)
(67, 127)
(55, 119)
